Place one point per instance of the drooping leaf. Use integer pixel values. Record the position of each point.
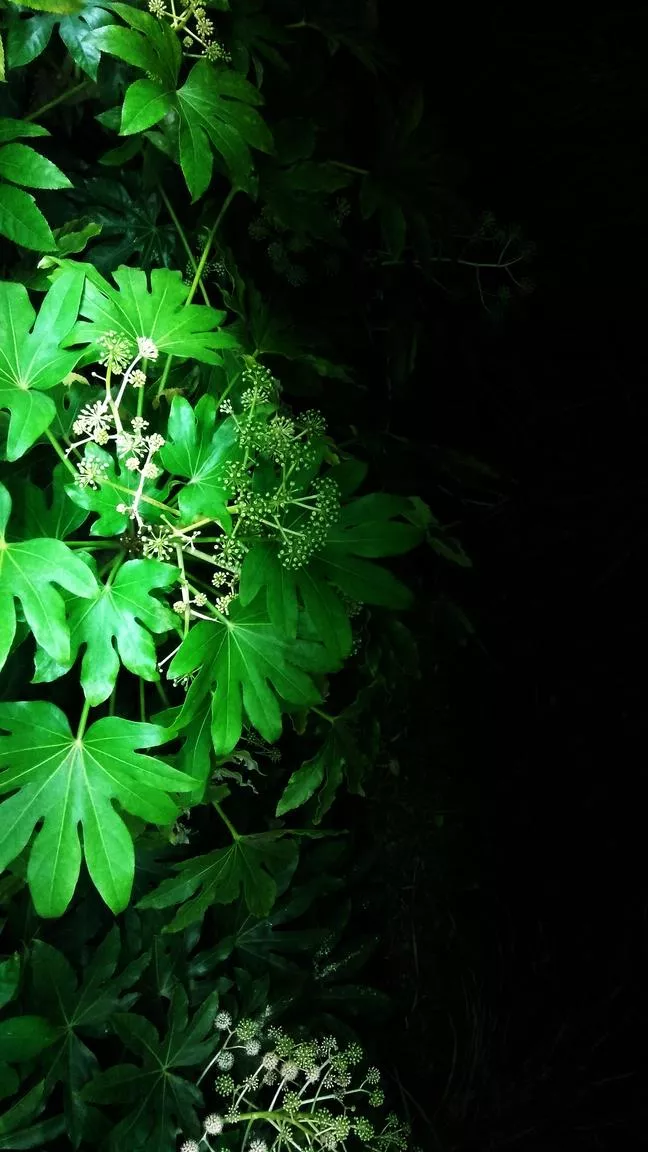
(68, 783)
(162, 1101)
(31, 358)
(156, 309)
(14, 129)
(287, 590)
(198, 450)
(338, 757)
(28, 571)
(251, 669)
(369, 527)
(115, 625)
(248, 866)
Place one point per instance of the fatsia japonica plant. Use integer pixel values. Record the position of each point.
(190, 550)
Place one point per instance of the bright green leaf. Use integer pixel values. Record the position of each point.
(145, 103)
(22, 165)
(22, 222)
(198, 450)
(251, 668)
(157, 311)
(70, 783)
(116, 625)
(13, 129)
(27, 572)
(31, 358)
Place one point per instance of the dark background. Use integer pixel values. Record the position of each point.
(517, 934)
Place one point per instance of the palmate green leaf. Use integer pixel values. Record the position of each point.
(22, 165)
(154, 308)
(31, 358)
(130, 231)
(251, 669)
(250, 866)
(197, 450)
(28, 571)
(338, 757)
(159, 1101)
(68, 783)
(80, 1009)
(216, 108)
(115, 625)
(288, 591)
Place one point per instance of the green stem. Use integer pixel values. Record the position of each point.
(197, 279)
(183, 239)
(83, 721)
(58, 100)
(59, 452)
(349, 167)
(142, 702)
(227, 822)
(112, 701)
(324, 715)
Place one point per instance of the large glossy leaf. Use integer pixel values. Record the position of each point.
(249, 865)
(23, 165)
(157, 310)
(22, 221)
(116, 624)
(71, 784)
(197, 450)
(159, 1101)
(148, 44)
(28, 571)
(48, 512)
(31, 358)
(251, 670)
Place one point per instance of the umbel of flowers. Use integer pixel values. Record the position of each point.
(278, 1092)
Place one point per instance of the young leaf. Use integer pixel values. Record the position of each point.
(69, 783)
(32, 360)
(251, 668)
(22, 165)
(116, 624)
(145, 103)
(198, 451)
(250, 864)
(163, 1102)
(27, 572)
(157, 311)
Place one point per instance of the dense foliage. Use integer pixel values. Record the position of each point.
(190, 548)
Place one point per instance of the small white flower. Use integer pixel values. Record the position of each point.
(214, 1124)
(150, 470)
(147, 349)
(138, 378)
(190, 1146)
(223, 1021)
(138, 424)
(270, 1060)
(258, 1146)
(225, 1061)
(132, 463)
(155, 442)
(252, 1048)
(91, 472)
